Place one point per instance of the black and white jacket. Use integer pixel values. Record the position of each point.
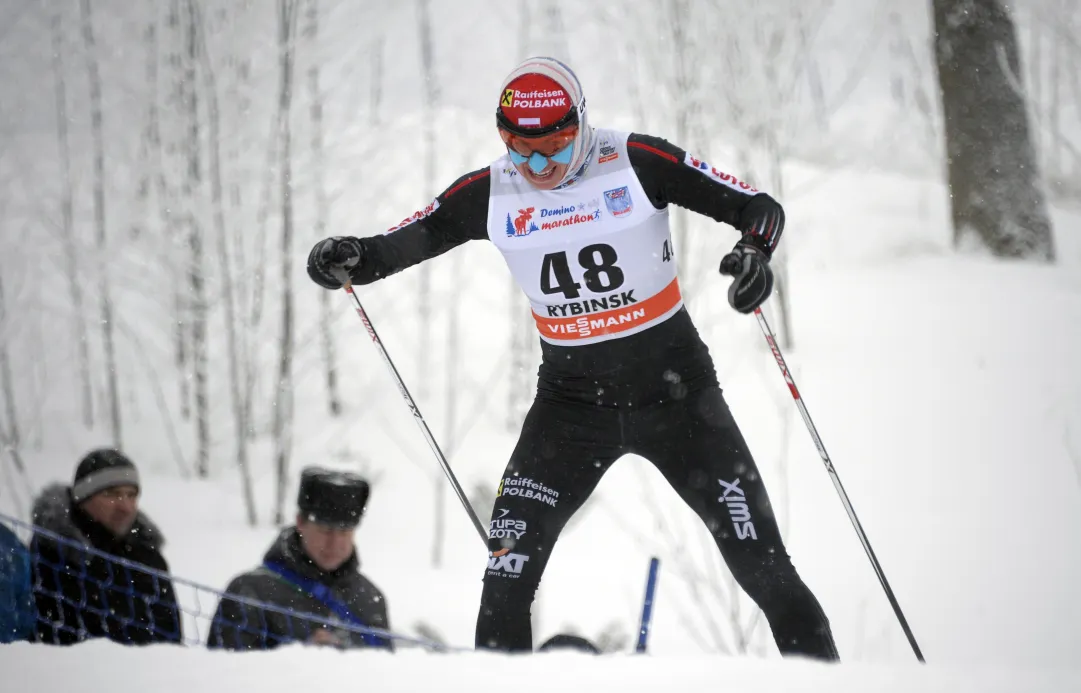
(79, 595)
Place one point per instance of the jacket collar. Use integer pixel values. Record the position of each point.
(288, 551)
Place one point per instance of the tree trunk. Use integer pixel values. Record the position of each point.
(196, 279)
(684, 85)
(10, 437)
(283, 405)
(330, 358)
(11, 433)
(170, 203)
(71, 250)
(154, 381)
(424, 341)
(106, 306)
(1054, 123)
(997, 197)
(240, 423)
(554, 38)
(424, 292)
(180, 344)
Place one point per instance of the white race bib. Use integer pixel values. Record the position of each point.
(595, 259)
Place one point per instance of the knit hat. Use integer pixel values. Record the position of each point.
(332, 498)
(103, 469)
(543, 95)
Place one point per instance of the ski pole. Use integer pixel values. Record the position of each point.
(767, 331)
(647, 606)
(348, 286)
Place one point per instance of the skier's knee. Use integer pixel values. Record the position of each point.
(765, 575)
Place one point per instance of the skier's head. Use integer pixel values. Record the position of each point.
(542, 120)
(329, 507)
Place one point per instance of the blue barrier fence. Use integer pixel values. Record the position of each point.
(72, 599)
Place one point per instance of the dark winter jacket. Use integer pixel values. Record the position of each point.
(239, 626)
(16, 598)
(80, 595)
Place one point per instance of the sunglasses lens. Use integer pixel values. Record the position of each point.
(563, 156)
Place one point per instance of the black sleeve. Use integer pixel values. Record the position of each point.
(457, 215)
(56, 617)
(376, 613)
(165, 614)
(669, 175)
(67, 598)
(239, 626)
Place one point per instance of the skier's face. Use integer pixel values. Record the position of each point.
(328, 547)
(547, 179)
(543, 161)
(114, 508)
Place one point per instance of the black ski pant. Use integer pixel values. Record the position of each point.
(566, 447)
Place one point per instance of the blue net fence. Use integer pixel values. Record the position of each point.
(54, 589)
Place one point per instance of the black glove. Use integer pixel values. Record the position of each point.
(753, 277)
(331, 258)
(762, 222)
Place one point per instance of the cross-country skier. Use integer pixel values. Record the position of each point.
(581, 216)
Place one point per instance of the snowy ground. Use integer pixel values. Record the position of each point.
(946, 388)
(100, 666)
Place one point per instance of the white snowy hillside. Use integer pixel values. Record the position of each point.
(945, 382)
(83, 669)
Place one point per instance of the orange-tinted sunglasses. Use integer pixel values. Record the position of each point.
(545, 145)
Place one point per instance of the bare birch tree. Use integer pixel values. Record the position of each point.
(686, 113)
(430, 91)
(283, 401)
(10, 432)
(9, 435)
(197, 299)
(322, 204)
(171, 217)
(1053, 51)
(67, 195)
(112, 374)
(240, 422)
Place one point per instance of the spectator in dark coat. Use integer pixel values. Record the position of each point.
(82, 595)
(16, 598)
(311, 569)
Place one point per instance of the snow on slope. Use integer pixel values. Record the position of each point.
(103, 666)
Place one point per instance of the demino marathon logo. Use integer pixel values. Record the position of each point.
(554, 218)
